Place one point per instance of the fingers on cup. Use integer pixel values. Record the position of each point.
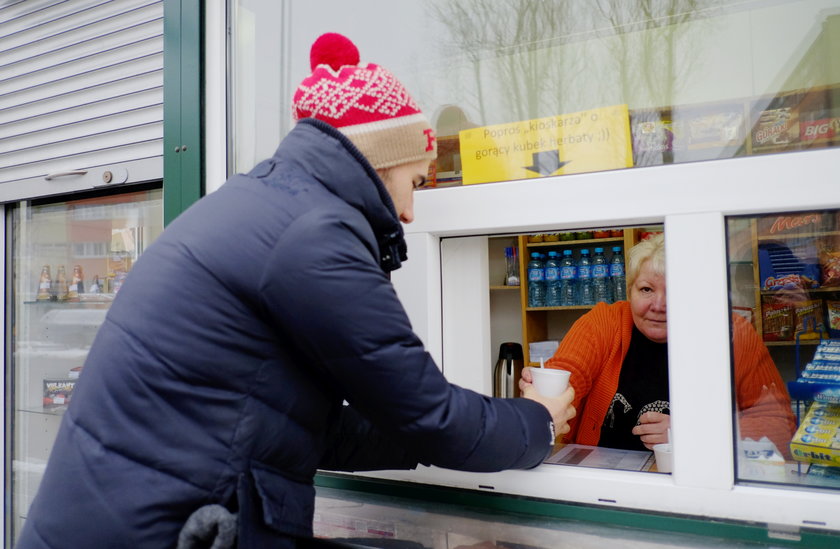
(550, 382)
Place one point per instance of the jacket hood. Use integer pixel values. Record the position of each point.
(338, 165)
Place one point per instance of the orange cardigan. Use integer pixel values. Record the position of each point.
(594, 350)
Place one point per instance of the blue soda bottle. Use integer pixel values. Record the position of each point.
(617, 276)
(586, 293)
(552, 281)
(536, 281)
(601, 277)
(568, 279)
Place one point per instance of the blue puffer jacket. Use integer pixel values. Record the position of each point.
(219, 373)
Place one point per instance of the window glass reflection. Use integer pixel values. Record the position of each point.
(670, 82)
(784, 280)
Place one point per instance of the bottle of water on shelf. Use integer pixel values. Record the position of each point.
(552, 280)
(617, 276)
(586, 295)
(536, 281)
(601, 277)
(568, 279)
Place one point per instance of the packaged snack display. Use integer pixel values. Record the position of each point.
(788, 266)
(819, 125)
(713, 130)
(833, 315)
(818, 438)
(777, 321)
(820, 380)
(447, 165)
(57, 393)
(808, 318)
(776, 129)
(653, 137)
(830, 268)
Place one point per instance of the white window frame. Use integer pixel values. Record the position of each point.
(692, 200)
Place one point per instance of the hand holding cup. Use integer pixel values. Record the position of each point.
(549, 381)
(557, 398)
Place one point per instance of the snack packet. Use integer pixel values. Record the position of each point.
(830, 268)
(808, 318)
(777, 321)
(833, 313)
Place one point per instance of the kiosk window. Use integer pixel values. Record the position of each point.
(579, 295)
(784, 293)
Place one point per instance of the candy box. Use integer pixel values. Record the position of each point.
(776, 129)
(808, 319)
(818, 438)
(788, 266)
(777, 321)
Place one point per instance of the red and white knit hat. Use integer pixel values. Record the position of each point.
(364, 102)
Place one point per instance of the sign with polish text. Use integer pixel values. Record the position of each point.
(586, 141)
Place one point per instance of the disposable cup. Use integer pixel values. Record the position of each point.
(549, 381)
(664, 457)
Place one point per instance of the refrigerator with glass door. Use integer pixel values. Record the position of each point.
(67, 258)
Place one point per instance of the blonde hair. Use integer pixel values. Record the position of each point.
(651, 249)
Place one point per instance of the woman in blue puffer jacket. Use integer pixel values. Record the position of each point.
(220, 373)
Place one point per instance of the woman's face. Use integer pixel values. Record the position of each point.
(400, 181)
(647, 302)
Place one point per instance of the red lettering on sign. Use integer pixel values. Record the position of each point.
(787, 222)
(430, 139)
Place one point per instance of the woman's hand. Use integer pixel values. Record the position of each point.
(653, 428)
(560, 407)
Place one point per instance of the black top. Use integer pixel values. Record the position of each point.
(642, 387)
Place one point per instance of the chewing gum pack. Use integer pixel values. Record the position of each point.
(818, 438)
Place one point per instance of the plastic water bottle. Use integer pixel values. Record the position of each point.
(553, 297)
(601, 277)
(586, 293)
(568, 279)
(617, 276)
(536, 281)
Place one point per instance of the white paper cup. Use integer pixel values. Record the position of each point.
(664, 457)
(549, 381)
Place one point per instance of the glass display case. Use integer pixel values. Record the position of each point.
(68, 261)
(784, 277)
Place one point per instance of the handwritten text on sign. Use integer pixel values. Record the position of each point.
(587, 141)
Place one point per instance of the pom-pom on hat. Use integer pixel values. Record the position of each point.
(365, 102)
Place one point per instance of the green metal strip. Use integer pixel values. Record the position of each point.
(171, 109)
(183, 165)
(192, 103)
(501, 503)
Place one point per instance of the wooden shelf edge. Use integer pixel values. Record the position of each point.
(770, 238)
(589, 241)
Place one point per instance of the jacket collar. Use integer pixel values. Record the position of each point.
(338, 165)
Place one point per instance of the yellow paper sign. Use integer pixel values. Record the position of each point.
(587, 141)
